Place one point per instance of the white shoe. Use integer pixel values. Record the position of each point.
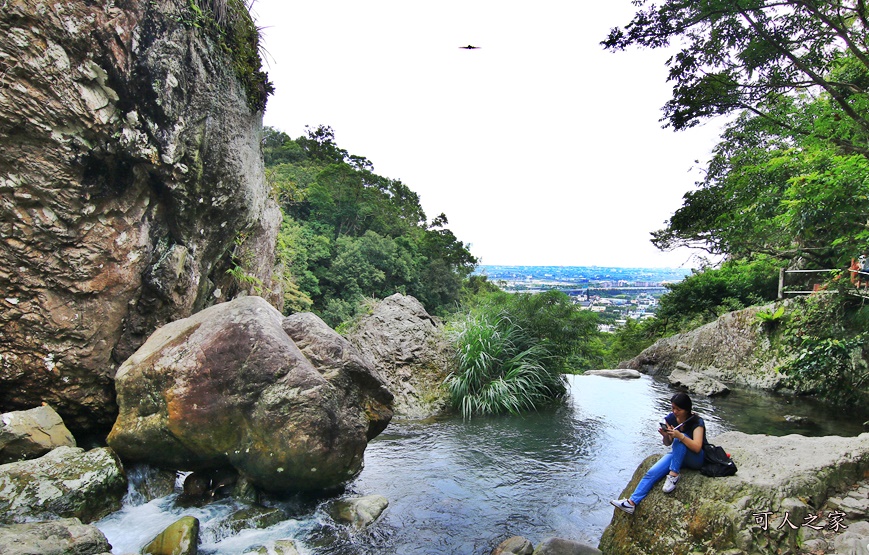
(624, 505)
(670, 483)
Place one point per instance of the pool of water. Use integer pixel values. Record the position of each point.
(457, 486)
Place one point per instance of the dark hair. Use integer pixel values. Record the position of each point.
(682, 401)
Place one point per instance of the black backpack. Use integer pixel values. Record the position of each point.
(716, 462)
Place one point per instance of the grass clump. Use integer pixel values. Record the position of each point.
(499, 367)
(229, 23)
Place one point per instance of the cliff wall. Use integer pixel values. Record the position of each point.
(131, 181)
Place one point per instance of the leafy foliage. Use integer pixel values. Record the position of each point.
(767, 194)
(756, 55)
(500, 368)
(707, 294)
(229, 23)
(349, 233)
(788, 184)
(569, 334)
(629, 340)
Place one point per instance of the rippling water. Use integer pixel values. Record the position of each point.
(461, 487)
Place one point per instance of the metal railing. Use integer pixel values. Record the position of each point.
(816, 287)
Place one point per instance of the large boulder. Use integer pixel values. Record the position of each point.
(407, 347)
(67, 536)
(229, 387)
(131, 182)
(67, 482)
(703, 382)
(179, 538)
(789, 477)
(31, 433)
(736, 348)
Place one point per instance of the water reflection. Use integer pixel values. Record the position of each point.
(459, 486)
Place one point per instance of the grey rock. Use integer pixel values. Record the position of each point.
(621, 373)
(132, 181)
(517, 545)
(408, 349)
(854, 540)
(776, 475)
(67, 482)
(736, 345)
(358, 512)
(31, 433)
(560, 546)
(67, 536)
(795, 419)
(697, 382)
(228, 387)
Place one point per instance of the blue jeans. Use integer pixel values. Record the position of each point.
(678, 456)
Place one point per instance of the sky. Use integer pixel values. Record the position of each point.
(540, 147)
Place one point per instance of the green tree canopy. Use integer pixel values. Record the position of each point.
(754, 55)
(349, 233)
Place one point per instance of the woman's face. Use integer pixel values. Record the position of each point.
(681, 414)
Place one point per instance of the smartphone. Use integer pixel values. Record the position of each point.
(664, 426)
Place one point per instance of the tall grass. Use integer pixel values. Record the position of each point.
(499, 367)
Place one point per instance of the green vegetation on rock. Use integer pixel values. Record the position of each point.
(230, 25)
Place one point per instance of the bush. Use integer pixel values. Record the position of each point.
(834, 369)
(500, 368)
(705, 295)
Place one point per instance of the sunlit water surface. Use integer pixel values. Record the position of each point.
(461, 487)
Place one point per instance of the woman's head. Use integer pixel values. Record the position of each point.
(682, 401)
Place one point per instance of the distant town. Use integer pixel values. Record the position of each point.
(616, 294)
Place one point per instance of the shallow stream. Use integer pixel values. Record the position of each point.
(459, 486)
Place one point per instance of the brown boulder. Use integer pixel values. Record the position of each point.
(229, 387)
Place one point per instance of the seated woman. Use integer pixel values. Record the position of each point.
(686, 432)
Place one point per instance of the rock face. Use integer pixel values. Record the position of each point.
(229, 387)
(131, 181)
(31, 433)
(791, 476)
(60, 537)
(734, 347)
(67, 482)
(696, 382)
(407, 347)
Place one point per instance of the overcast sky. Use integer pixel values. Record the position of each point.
(540, 147)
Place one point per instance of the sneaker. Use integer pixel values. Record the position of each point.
(624, 505)
(670, 483)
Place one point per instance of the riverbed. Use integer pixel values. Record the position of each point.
(463, 486)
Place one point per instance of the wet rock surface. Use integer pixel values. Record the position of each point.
(67, 482)
(66, 536)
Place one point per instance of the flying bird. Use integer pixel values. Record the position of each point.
(469, 47)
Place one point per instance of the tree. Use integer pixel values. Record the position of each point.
(776, 196)
(760, 55)
(349, 233)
